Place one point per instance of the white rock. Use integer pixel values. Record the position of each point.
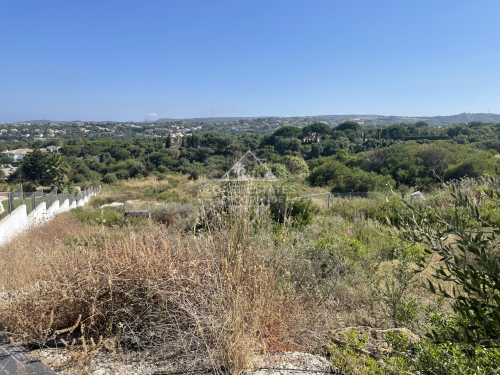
(290, 363)
(417, 195)
(114, 204)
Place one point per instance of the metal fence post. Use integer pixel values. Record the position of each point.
(329, 198)
(8, 203)
(22, 196)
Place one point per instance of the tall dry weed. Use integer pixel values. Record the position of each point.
(211, 300)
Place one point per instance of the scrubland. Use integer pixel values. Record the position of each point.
(211, 289)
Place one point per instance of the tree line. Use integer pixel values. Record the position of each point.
(348, 157)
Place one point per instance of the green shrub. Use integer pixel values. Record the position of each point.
(107, 216)
(490, 212)
(302, 212)
(469, 260)
(428, 358)
(280, 171)
(110, 178)
(298, 212)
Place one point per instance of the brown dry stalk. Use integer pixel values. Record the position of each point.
(208, 297)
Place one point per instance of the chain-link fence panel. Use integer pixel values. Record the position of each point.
(4, 204)
(71, 198)
(33, 200)
(16, 199)
(51, 198)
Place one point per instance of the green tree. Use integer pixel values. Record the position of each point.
(70, 150)
(109, 178)
(296, 164)
(56, 170)
(349, 125)
(120, 153)
(467, 247)
(288, 132)
(329, 173)
(34, 165)
(318, 128)
(394, 132)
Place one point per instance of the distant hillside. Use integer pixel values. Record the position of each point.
(207, 119)
(332, 120)
(366, 119)
(462, 118)
(39, 121)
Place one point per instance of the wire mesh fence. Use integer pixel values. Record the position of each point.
(51, 197)
(327, 199)
(4, 205)
(71, 198)
(10, 201)
(33, 200)
(63, 196)
(16, 199)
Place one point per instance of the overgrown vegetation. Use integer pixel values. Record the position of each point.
(346, 158)
(379, 284)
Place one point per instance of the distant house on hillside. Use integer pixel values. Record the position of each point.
(18, 154)
(52, 148)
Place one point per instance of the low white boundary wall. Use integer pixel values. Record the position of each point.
(18, 220)
(13, 224)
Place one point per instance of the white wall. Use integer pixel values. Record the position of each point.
(65, 206)
(37, 216)
(13, 224)
(18, 221)
(53, 210)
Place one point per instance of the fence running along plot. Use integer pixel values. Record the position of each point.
(15, 198)
(62, 197)
(10, 201)
(33, 200)
(4, 202)
(326, 199)
(71, 198)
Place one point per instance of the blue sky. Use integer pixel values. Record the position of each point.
(122, 60)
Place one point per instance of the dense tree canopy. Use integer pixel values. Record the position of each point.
(349, 157)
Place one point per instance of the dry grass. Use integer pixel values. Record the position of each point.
(213, 300)
(209, 299)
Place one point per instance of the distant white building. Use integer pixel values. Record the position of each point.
(17, 155)
(52, 148)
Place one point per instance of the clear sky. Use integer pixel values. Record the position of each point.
(123, 60)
